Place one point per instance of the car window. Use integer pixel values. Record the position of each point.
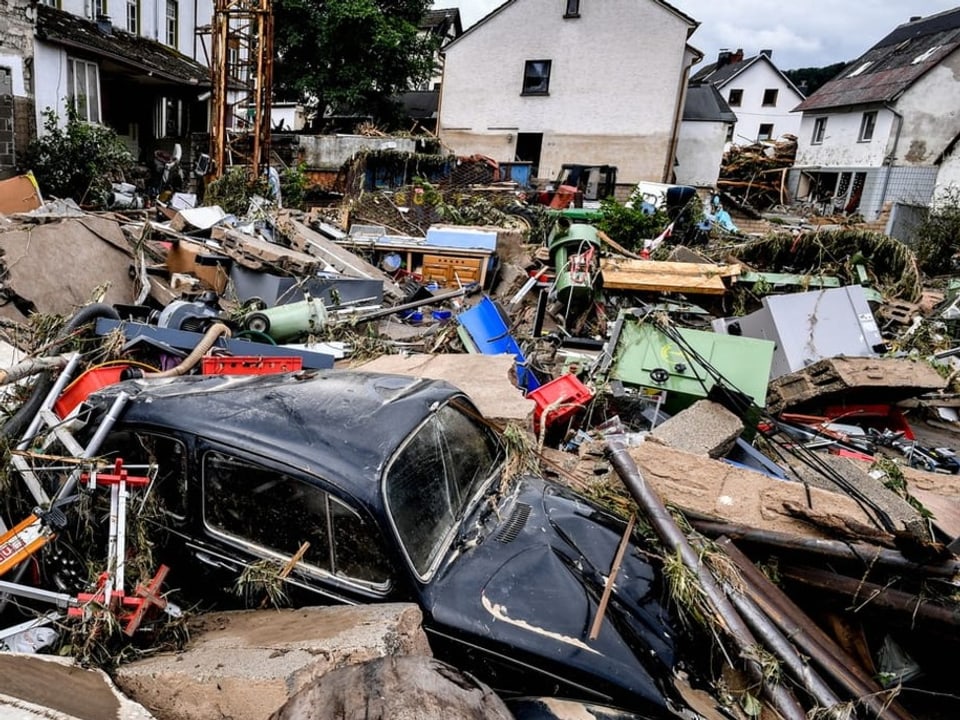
(166, 454)
(279, 512)
(432, 479)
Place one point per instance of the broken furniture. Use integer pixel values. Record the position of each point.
(655, 276)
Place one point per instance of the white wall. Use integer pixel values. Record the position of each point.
(50, 64)
(15, 63)
(700, 153)
(948, 179)
(614, 84)
(751, 112)
(931, 112)
(841, 146)
(153, 14)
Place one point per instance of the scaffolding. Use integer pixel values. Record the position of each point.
(242, 77)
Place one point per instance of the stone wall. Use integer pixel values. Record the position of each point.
(17, 116)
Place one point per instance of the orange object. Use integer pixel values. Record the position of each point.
(22, 541)
(88, 382)
(249, 364)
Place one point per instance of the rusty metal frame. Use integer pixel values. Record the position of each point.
(242, 78)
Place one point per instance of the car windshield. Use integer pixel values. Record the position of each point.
(433, 478)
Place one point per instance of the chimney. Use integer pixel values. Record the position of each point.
(723, 58)
(914, 18)
(737, 56)
(768, 52)
(104, 24)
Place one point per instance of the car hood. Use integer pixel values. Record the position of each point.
(529, 588)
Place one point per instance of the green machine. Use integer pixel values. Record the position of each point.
(286, 322)
(575, 252)
(641, 354)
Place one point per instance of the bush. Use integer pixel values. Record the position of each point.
(937, 238)
(79, 161)
(232, 190)
(630, 226)
(293, 186)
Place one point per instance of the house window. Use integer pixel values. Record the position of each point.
(819, 130)
(736, 97)
(573, 9)
(766, 131)
(536, 77)
(770, 97)
(83, 89)
(173, 16)
(50, 3)
(730, 129)
(168, 119)
(133, 16)
(867, 125)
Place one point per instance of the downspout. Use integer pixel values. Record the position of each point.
(196, 23)
(888, 160)
(677, 119)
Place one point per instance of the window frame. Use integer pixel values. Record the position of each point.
(87, 116)
(766, 94)
(739, 97)
(868, 126)
(544, 78)
(765, 136)
(327, 573)
(132, 12)
(819, 130)
(172, 24)
(572, 9)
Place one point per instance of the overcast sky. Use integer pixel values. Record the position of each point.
(801, 33)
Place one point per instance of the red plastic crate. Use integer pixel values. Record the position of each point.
(566, 394)
(249, 364)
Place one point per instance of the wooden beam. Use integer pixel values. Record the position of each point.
(654, 276)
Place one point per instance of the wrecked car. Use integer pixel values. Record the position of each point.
(401, 490)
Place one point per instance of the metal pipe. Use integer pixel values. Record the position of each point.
(675, 541)
(813, 641)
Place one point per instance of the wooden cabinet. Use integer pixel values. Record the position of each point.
(452, 270)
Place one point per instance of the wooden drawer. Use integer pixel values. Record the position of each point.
(446, 269)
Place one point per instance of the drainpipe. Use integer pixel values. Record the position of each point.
(677, 119)
(888, 160)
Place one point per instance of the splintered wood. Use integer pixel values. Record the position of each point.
(654, 276)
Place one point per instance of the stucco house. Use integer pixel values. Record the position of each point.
(571, 81)
(137, 66)
(762, 97)
(707, 120)
(879, 131)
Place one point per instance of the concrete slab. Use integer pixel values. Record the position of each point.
(245, 665)
(486, 379)
(44, 686)
(704, 428)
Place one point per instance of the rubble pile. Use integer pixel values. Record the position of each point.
(791, 400)
(754, 176)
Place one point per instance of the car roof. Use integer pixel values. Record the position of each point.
(338, 424)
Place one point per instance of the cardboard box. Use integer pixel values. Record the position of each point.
(211, 268)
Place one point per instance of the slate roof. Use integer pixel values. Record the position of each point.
(727, 72)
(892, 65)
(704, 103)
(439, 20)
(140, 54)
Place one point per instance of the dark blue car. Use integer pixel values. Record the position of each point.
(398, 486)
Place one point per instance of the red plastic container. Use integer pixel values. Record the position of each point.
(86, 383)
(560, 399)
(249, 364)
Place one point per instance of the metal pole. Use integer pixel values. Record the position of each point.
(675, 541)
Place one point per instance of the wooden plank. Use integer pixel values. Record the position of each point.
(648, 275)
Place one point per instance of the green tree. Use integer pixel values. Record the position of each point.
(811, 79)
(351, 55)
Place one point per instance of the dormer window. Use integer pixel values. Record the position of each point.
(573, 9)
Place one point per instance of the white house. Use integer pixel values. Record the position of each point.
(880, 131)
(571, 81)
(707, 120)
(137, 66)
(762, 97)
